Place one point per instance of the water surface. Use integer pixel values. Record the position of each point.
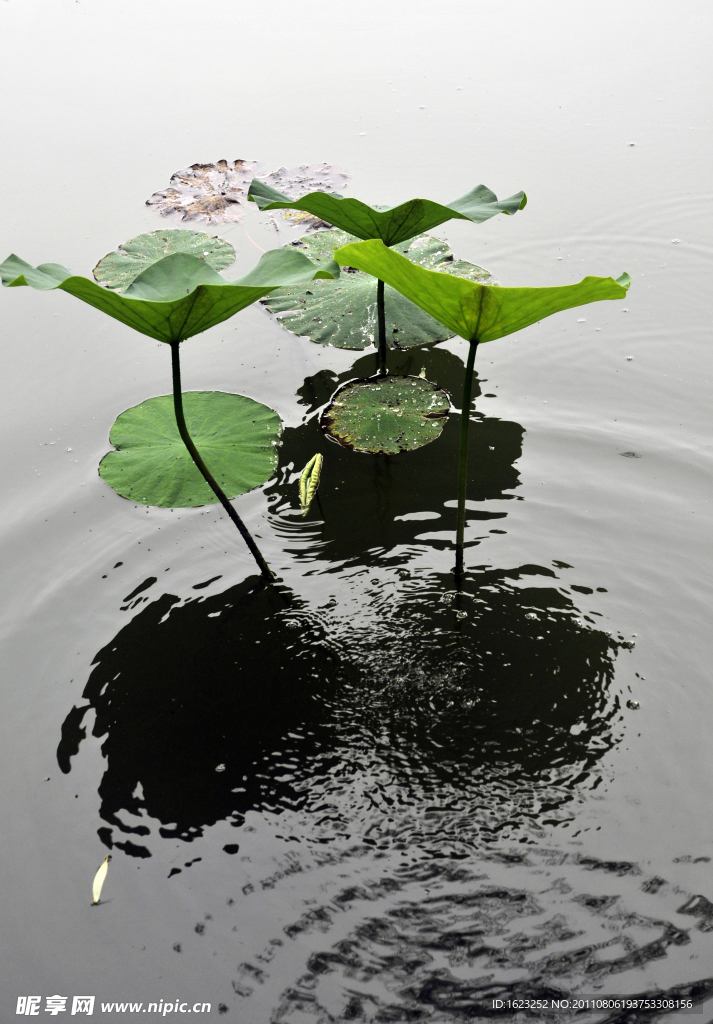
(383, 801)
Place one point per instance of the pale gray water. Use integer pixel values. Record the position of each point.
(342, 850)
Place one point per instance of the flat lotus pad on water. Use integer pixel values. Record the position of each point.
(386, 414)
(218, 193)
(236, 437)
(119, 269)
(343, 314)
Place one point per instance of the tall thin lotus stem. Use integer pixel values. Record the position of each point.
(381, 317)
(463, 459)
(206, 473)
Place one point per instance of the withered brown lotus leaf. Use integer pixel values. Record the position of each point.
(217, 193)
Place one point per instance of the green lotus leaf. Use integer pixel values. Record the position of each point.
(120, 268)
(236, 437)
(474, 311)
(391, 224)
(178, 296)
(386, 414)
(343, 313)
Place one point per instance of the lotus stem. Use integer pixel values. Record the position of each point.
(205, 472)
(381, 317)
(463, 459)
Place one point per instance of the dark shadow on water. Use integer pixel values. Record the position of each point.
(493, 701)
(362, 497)
(423, 743)
(434, 747)
(220, 704)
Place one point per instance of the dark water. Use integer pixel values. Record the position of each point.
(366, 797)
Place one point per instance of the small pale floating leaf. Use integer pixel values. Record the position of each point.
(120, 268)
(386, 414)
(309, 482)
(344, 314)
(235, 435)
(99, 879)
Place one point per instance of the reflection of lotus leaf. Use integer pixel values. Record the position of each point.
(217, 193)
(345, 315)
(457, 753)
(118, 269)
(473, 711)
(151, 465)
(495, 704)
(383, 500)
(386, 415)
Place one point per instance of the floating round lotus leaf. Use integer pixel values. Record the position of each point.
(119, 269)
(151, 465)
(343, 314)
(212, 193)
(218, 193)
(386, 414)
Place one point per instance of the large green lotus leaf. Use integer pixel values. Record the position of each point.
(343, 313)
(386, 415)
(474, 311)
(178, 296)
(391, 224)
(151, 465)
(120, 268)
